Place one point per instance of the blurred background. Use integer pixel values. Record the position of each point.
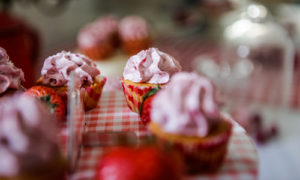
(250, 49)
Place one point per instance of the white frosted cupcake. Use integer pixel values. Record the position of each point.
(98, 39)
(56, 73)
(147, 69)
(185, 115)
(134, 34)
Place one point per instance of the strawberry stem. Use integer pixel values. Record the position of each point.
(150, 93)
(47, 99)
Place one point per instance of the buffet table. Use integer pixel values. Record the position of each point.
(113, 115)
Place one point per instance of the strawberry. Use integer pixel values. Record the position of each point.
(50, 97)
(147, 163)
(145, 111)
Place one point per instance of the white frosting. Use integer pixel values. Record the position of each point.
(98, 31)
(57, 69)
(187, 106)
(151, 66)
(133, 27)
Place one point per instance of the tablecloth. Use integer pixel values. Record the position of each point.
(112, 114)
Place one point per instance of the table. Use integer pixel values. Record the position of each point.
(112, 114)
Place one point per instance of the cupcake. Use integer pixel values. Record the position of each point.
(98, 39)
(148, 69)
(56, 74)
(28, 141)
(185, 116)
(134, 34)
(11, 77)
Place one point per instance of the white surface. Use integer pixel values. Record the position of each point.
(280, 158)
(114, 65)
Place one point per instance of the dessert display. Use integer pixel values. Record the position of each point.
(147, 69)
(51, 99)
(56, 73)
(147, 163)
(134, 34)
(185, 116)
(11, 77)
(28, 141)
(177, 111)
(98, 39)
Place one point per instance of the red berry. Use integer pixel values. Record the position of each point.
(147, 163)
(274, 130)
(262, 137)
(50, 97)
(146, 110)
(257, 121)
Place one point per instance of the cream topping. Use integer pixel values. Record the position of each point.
(133, 27)
(57, 69)
(151, 66)
(187, 106)
(11, 77)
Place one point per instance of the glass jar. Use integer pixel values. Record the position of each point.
(256, 61)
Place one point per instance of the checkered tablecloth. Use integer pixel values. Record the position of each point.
(112, 114)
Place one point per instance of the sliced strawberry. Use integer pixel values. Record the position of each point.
(51, 98)
(145, 111)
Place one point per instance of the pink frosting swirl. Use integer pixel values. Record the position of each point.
(57, 69)
(133, 27)
(27, 135)
(10, 76)
(151, 66)
(187, 106)
(98, 31)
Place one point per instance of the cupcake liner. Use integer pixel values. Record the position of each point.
(134, 93)
(136, 45)
(91, 94)
(201, 155)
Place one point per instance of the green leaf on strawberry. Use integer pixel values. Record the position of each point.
(146, 105)
(49, 97)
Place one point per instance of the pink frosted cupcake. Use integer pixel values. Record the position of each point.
(11, 77)
(99, 39)
(28, 141)
(134, 34)
(56, 74)
(147, 69)
(185, 115)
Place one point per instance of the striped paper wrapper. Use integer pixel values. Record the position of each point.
(134, 93)
(205, 155)
(91, 94)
